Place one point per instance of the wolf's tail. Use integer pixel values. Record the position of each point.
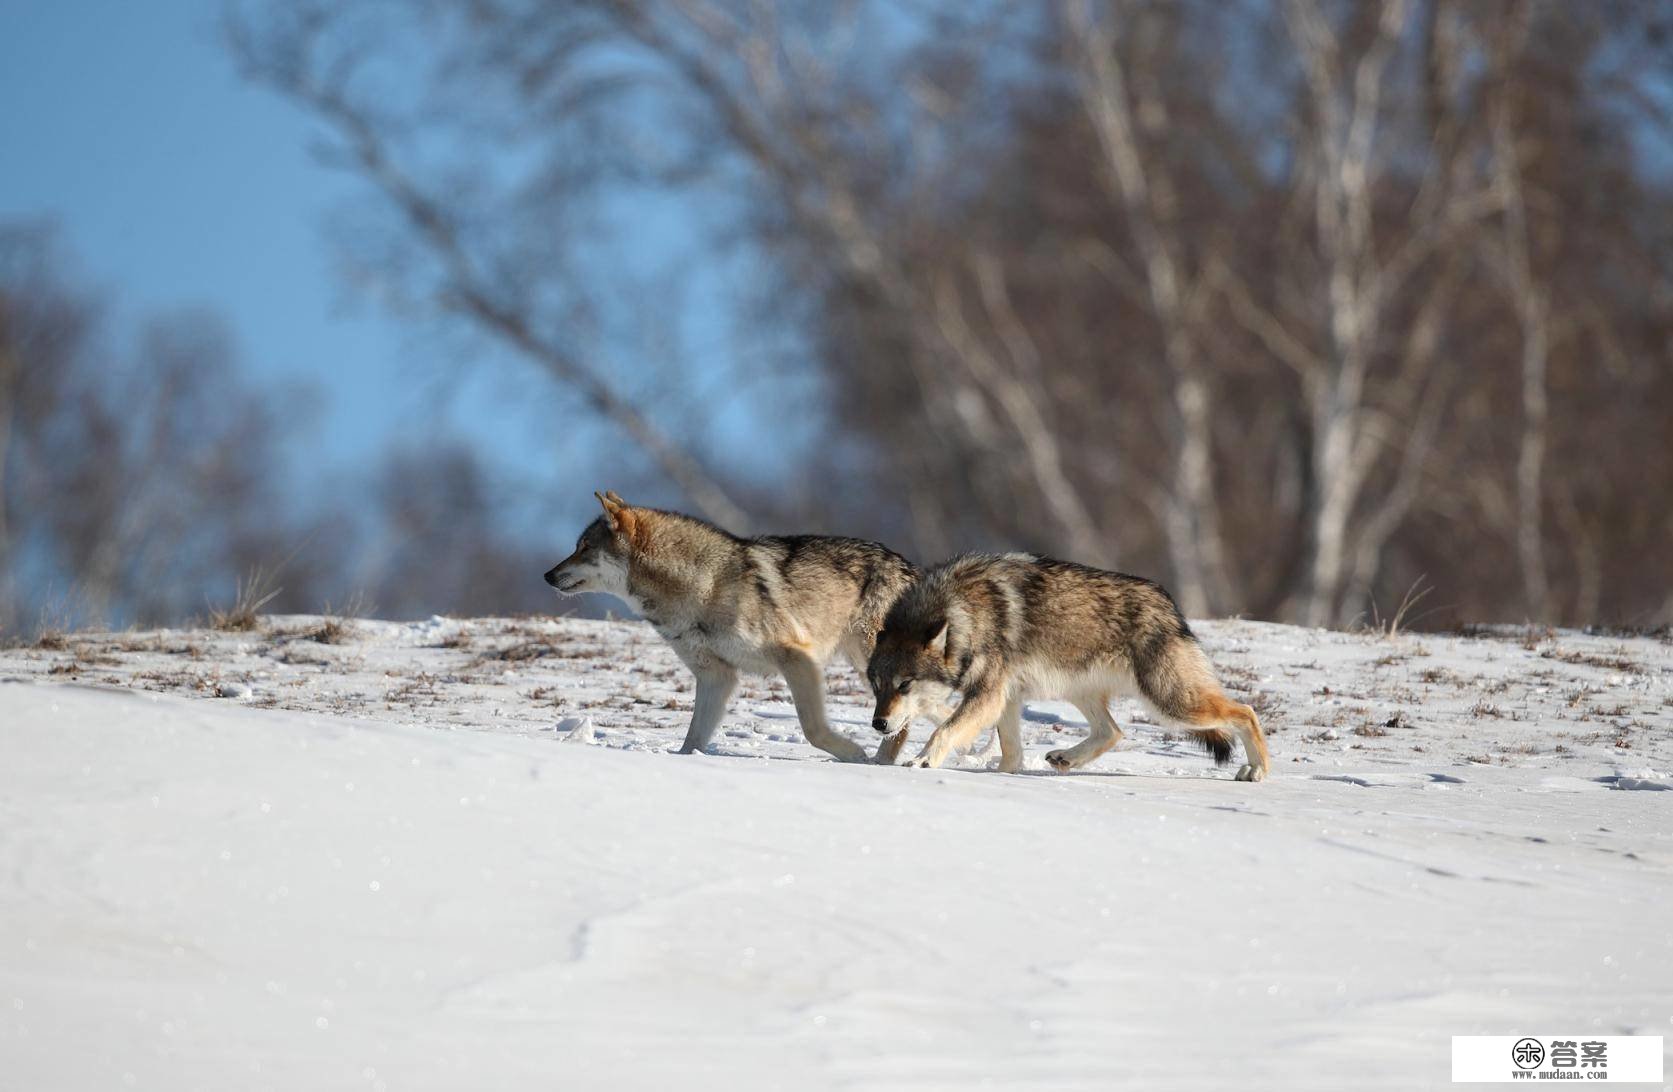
(1244, 723)
(1216, 741)
(1175, 676)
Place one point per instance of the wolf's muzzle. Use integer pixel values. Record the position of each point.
(880, 723)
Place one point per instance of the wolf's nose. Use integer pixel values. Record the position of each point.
(880, 723)
(552, 577)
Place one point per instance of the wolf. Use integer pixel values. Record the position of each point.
(1002, 628)
(784, 604)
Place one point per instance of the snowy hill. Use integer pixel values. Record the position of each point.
(456, 854)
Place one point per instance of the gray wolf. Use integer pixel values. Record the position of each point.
(784, 604)
(1001, 628)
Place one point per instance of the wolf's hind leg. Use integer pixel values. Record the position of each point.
(1248, 728)
(714, 689)
(807, 688)
(1104, 735)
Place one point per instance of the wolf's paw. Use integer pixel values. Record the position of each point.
(1060, 761)
(1251, 773)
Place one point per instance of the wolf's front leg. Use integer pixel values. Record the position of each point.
(938, 714)
(889, 750)
(1009, 733)
(807, 687)
(715, 683)
(979, 709)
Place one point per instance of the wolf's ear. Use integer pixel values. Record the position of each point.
(612, 509)
(612, 495)
(937, 638)
(618, 515)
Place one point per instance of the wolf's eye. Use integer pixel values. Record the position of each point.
(904, 685)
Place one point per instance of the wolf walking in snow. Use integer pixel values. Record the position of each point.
(783, 604)
(1002, 628)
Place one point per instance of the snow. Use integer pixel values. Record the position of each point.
(458, 854)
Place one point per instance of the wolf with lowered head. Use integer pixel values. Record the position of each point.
(783, 604)
(1003, 628)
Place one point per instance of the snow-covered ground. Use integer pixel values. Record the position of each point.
(456, 854)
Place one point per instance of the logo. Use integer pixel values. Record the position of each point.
(1514, 1059)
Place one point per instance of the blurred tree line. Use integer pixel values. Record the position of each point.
(1289, 303)
(143, 482)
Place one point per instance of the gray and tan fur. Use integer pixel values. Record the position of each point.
(730, 605)
(1004, 628)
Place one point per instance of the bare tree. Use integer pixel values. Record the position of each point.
(436, 546)
(1187, 287)
(301, 53)
(1138, 181)
(1510, 255)
(129, 475)
(790, 116)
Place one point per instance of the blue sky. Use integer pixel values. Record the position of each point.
(173, 184)
(176, 184)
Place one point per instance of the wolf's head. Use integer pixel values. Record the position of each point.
(600, 560)
(910, 670)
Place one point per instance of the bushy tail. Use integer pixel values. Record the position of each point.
(1216, 741)
(1176, 677)
(1245, 723)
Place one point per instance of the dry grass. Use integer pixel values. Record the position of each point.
(337, 626)
(255, 590)
(1402, 617)
(421, 689)
(1234, 673)
(333, 630)
(523, 650)
(1608, 663)
(54, 625)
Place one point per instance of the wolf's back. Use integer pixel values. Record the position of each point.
(830, 573)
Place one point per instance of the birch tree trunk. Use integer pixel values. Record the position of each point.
(1344, 123)
(1139, 186)
(1531, 303)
